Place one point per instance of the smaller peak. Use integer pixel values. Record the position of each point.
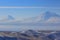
(10, 17)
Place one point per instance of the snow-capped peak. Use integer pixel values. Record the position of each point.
(44, 17)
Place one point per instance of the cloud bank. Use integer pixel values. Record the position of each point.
(45, 20)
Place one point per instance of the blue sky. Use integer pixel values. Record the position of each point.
(50, 3)
(47, 5)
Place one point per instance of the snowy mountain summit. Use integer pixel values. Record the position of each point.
(47, 17)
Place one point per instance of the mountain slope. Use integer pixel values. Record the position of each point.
(46, 17)
(9, 18)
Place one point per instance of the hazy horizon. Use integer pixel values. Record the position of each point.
(29, 13)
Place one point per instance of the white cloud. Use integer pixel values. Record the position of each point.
(53, 20)
(28, 7)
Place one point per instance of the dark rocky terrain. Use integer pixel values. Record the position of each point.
(30, 35)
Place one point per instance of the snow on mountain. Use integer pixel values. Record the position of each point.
(47, 17)
(53, 20)
(50, 17)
